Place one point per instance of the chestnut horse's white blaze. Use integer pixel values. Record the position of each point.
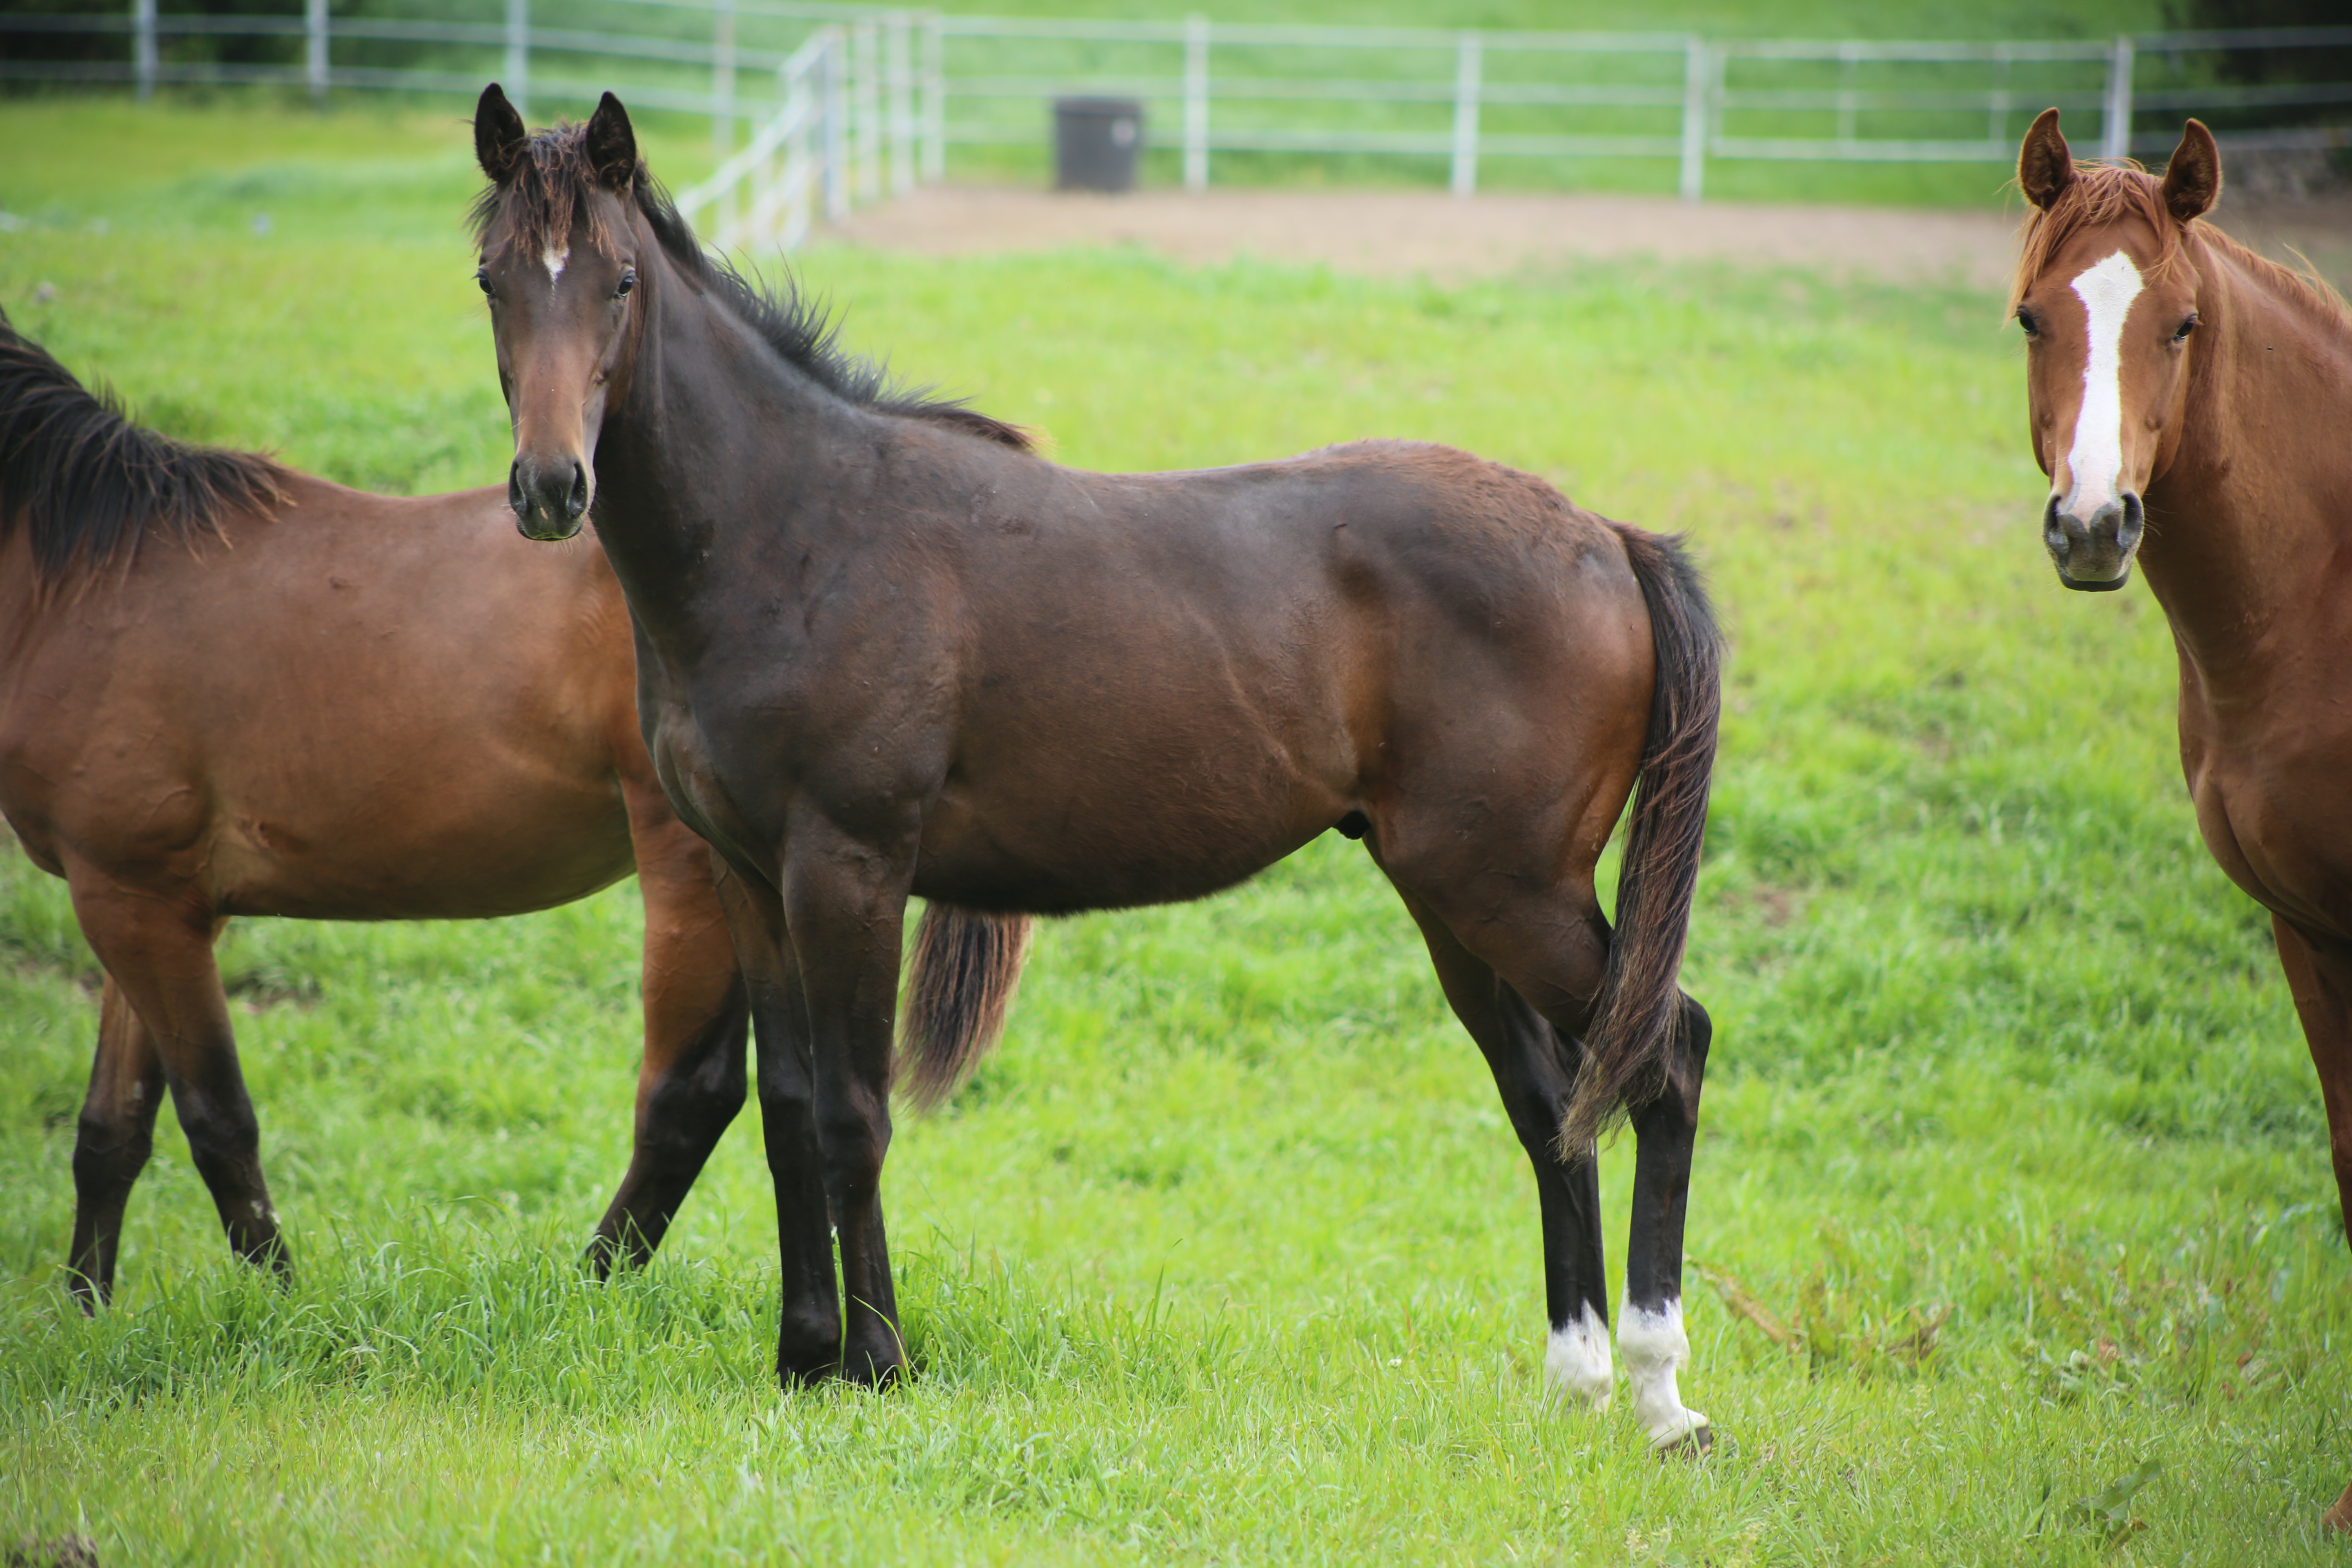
(1576, 1360)
(2096, 460)
(1655, 1349)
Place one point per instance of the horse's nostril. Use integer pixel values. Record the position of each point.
(575, 500)
(517, 501)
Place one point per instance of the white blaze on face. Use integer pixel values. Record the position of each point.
(1655, 1348)
(2096, 459)
(1576, 1361)
(554, 261)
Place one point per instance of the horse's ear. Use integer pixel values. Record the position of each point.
(612, 145)
(501, 138)
(2193, 181)
(2045, 165)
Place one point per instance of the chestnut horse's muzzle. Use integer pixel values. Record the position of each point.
(2093, 555)
(549, 495)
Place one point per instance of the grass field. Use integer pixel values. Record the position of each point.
(1228, 1255)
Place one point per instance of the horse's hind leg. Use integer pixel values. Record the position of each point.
(1650, 1330)
(690, 1084)
(161, 957)
(1535, 1071)
(112, 1142)
(2320, 976)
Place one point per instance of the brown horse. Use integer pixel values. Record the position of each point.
(228, 689)
(885, 650)
(2192, 406)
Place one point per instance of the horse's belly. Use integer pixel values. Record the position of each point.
(444, 859)
(1060, 851)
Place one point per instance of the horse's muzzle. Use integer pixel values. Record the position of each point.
(2093, 555)
(550, 496)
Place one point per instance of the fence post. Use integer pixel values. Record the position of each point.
(518, 83)
(866, 121)
(2116, 142)
(836, 126)
(1196, 103)
(899, 73)
(1465, 115)
(935, 99)
(722, 109)
(142, 46)
(314, 50)
(1696, 78)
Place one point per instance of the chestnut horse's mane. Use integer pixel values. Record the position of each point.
(2108, 193)
(87, 485)
(551, 187)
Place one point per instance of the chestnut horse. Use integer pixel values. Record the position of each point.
(229, 688)
(885, 650)
(2192, 406)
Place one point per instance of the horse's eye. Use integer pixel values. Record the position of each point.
(483, 280)
(628, 281)
(2188, 325)
(2025, 319)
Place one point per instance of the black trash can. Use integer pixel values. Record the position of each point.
(1095, 143)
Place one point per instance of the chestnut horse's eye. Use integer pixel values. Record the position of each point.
(482, 279)
(628, 281)
(2188, 325)
(2025, 319)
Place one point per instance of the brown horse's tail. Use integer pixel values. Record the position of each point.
(1634, 1046)
(959, 985)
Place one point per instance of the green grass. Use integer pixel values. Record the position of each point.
(1228, 1254)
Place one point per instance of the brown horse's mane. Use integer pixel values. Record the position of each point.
(2108, 193)
(87, 485)
(552, 186)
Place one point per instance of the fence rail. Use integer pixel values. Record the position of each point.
(846, 103)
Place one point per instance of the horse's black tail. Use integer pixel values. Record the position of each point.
(87, 484)
(959, 985)
(1634, 1046)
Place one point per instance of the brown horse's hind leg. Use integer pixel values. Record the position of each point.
(690, 1084)
(1535, 1071)
(161, 957)
(2319, 974)
(808, 1329)
(116, 1135)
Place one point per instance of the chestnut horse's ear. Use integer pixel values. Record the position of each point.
(502, 140)
(612, 145)
(2045, 165)
(2193, 181)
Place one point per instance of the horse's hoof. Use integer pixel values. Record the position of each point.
(868, 1373)
(1694, 1442)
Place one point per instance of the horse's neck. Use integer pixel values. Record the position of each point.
(709, 416)
(2251, 525)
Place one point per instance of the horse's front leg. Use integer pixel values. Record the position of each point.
(1650, 1329)
(2319, 974)
(808, 1327)
(844, 905)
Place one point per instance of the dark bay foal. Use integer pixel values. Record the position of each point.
(885, 650)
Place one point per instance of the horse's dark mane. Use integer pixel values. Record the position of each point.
(553, 185)
(87, 486)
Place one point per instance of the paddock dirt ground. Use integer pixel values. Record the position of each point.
(1404, 233)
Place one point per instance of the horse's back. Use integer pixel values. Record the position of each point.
(361, 707)
(1242, 656)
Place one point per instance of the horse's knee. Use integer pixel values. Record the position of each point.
(109, 1151)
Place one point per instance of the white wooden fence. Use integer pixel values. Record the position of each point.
(845, 103)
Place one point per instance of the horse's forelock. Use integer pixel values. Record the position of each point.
(2098, 195)
(550, 193)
